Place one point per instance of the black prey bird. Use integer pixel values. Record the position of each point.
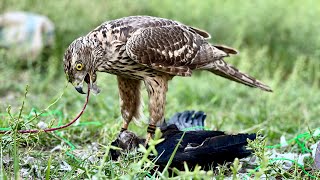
(198, 146)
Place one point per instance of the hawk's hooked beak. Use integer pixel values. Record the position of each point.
(79, 86)
(79, 89)
(92, 85)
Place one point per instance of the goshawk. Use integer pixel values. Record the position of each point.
(151, 50)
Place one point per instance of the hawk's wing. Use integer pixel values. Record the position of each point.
(169, 49)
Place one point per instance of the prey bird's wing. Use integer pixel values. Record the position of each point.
(188, 120)
(170, 49)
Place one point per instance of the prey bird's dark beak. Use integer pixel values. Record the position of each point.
(79, 89)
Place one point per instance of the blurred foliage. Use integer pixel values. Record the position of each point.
(279, 43)
(287, 29)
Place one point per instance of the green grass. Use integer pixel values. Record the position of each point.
(279, 43)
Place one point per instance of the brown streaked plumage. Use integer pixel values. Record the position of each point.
(148, 49)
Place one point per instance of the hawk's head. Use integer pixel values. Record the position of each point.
(79, 65)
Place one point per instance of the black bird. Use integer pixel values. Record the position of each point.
(205, 148)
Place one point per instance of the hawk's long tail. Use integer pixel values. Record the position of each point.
(221, 68)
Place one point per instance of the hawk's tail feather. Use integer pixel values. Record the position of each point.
(221, 68)
(226, 49)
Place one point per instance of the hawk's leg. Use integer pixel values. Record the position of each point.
(157, 88)
(129, 94)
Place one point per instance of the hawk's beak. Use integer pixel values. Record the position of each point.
(79, 89)
(79, 85)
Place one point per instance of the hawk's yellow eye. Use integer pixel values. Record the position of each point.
(79, 67)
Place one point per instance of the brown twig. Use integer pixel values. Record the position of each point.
(31, 131)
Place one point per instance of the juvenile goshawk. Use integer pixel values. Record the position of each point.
(148, 49)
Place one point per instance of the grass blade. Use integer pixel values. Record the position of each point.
(2, 171)
(172, 155)
(15, 158)
(48, 168)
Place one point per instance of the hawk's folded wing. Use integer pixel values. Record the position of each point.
(169, 49)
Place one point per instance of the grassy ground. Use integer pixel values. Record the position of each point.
(279, 44)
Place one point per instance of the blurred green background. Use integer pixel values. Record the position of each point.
(279, 43)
